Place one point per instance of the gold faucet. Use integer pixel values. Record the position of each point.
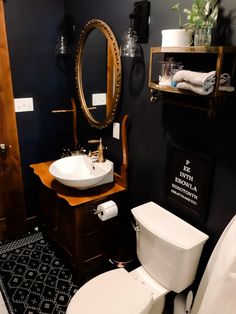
(99, 152)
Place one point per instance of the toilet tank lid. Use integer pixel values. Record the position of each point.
(168, 226)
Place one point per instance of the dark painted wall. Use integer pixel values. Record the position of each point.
(32, 32)
(152, 126)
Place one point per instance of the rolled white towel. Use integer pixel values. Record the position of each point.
(205, 79)
(225, 79)
(226, 88)
(195, 88)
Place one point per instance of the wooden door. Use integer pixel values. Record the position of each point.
(12, 205)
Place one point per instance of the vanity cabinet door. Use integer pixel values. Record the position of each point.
(66, 231)
(58, 221)
(48, 212)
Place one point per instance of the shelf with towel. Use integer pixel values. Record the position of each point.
(208, 72)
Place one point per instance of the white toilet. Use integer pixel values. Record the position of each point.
(168, 249)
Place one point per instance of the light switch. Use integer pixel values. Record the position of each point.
(116, 130)
(99, 99)
(23, 104)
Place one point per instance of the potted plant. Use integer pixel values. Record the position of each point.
(179, 37)
(201, 19)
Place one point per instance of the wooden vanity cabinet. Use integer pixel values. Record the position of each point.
(86, 242)
(68, 218)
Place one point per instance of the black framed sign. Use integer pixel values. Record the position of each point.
(188, 180)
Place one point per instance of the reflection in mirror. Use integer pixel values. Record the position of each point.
(92, 83)
(98, 73)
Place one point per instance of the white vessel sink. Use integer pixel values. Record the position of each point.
(81, 171)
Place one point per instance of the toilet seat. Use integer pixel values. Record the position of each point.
(113, 292)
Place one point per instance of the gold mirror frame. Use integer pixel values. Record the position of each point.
(113, 73)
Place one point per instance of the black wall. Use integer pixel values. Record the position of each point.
(152, 126)
(32, 31)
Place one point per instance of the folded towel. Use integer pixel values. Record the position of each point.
(204, 79)
(195, 88)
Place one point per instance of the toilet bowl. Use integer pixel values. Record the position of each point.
(168, 249)
(118, 291)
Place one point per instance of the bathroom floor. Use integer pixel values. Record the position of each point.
(33, 278)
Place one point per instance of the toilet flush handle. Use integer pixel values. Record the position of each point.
(136, 227)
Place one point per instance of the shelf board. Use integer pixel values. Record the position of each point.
(194, 49)
(175, 90)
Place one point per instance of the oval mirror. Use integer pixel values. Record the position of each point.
(98, 73)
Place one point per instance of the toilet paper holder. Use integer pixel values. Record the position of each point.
(106, 210)
(97, 211)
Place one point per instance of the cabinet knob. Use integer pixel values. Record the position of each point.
(155, 96)
(3, 148)
(153, 99)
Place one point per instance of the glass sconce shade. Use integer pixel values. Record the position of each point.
(61, 45)
(129, 46)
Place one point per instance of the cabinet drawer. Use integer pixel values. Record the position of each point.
(94, 264)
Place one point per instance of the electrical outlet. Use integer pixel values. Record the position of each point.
(116, 130)
(23, 104)
(99, 99)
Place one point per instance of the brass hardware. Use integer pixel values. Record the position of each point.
(99, 152)
(74, 112)
(154, 97)
(62, 110)
(92, 108)
(96, 211)
(3, 148)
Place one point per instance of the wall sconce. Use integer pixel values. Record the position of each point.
(138, 30)
(129, 46)
(65, 37)
(61, 47)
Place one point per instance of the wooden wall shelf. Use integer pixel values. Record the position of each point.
(221, 59)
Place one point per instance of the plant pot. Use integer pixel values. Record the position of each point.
(176, 38)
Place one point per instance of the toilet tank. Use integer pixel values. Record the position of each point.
(168, 248)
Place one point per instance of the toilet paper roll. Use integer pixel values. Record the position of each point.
(107, 210)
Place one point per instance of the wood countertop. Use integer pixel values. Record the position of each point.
(73, 196)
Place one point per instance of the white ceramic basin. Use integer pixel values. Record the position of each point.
(81, 171)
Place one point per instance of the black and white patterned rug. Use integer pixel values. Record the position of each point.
(32, 277)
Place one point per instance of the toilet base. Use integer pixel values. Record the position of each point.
(158, 306)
